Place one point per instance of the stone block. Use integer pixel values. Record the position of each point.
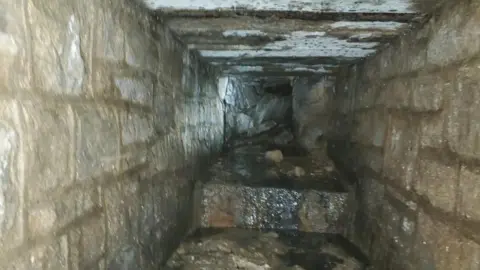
(22, 263)
(51, 144)
(168, 153)
(405, 226)
(401, 148)
(406, 236)
(272, 208)
(74, 248)
(126, 258)
(455, 36)
(410, 54)
(428, 91)
(49, 216)
(470, 193)
(463, 112)
(42, 220)
(147, 57)
(138, 89)
(108, 33)
(133, 156)
(362, 132)
(164, 110)
(439, 246)
(180, 103)
(371, 127)
(203, 111)
(195, 145)
(396, 93)
(57, 60)
(380, 124)
(372, 158)
(390, 219)
(131, 198)
(55, 254)
(52, 255)
(115, 213)
(11, 177)
(146, 211)
(378, 250)
(438, 180)
(98, 141)
(432, 132)
(101, 81)
(372, 193)
(137, 127)
(137, 131)
(172, 194)
(366, 96)
(217, 208)
(92, 241)
(15, 68)
(321, 212)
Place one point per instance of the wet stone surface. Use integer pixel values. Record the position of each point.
(247, 165)
(248, 189)
(223, 249)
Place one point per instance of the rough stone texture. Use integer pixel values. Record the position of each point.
(95, 105)
(312, 97)
(225, 205)
(288, 38)
(250, 110)
(418, 209)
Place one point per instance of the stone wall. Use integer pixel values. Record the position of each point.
(249, 108)
(103, 118)
(413, 113)
(312, 110)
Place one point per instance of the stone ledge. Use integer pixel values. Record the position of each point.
(272, 208)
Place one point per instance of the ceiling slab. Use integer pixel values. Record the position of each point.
(289, 37)
(295, 61)
(278, 68)
(292, 15)
(351, 6)
(340, 35)
(188, 26)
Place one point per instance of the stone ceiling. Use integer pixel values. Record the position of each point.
(288, 37)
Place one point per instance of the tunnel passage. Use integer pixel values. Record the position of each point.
(116, 126)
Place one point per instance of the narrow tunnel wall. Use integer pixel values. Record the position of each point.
(249, 109)
(312, 102)
(103, 118)
(412, 112)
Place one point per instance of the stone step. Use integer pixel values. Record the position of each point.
(248, 188)
(231, 205)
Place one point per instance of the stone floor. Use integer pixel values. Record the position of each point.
(270, 207)
(274, 187)
(248, 166)
(233, 248)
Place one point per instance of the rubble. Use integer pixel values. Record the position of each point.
(297, 172)
(274, 155)
(225, 249)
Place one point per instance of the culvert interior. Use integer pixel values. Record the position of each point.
(207, 134)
